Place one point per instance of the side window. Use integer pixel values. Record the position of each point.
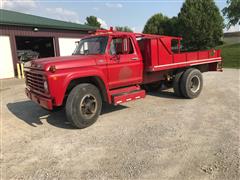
(130, 46)
(121, 46)
(116, 46)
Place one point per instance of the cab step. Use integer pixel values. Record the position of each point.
(127, 94)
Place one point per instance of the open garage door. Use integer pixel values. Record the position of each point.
(29, 48)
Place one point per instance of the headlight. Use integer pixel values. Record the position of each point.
(45, 85)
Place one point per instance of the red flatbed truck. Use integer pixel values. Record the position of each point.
(115, 67)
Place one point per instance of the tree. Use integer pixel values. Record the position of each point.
(92, 21)
(173, 29)
(232, 12)
(157, 24)
(200, 24)
(124, 28)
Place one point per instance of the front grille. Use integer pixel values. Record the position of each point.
(35, 81)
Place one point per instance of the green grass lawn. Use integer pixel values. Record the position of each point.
(231, 55)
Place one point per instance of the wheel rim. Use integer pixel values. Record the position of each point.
(195, 84)
(88, 106)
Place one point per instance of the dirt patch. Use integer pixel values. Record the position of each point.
(159, 137)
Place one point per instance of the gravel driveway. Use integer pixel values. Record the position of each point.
(159, 137)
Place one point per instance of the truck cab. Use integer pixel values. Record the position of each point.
(121, 58)
(113, 67)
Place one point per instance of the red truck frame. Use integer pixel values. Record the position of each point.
(116, 67)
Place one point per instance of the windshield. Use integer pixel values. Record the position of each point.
(91, 46)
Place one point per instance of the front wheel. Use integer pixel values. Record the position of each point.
(191, 83)
(83, 105)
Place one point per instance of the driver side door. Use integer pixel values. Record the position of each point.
(124, 65)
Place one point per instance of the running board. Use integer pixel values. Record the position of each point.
(126, 97)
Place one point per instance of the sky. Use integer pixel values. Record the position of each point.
(131, 13)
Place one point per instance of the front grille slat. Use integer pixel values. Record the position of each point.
(31, 76)
(35, 84)
(36, 88)
(35, 81)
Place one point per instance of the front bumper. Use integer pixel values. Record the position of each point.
(42, 101)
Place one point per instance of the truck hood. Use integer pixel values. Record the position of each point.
(64, 62)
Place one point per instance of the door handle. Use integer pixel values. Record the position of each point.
(135, 58)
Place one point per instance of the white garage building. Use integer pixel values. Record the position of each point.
(24, 34)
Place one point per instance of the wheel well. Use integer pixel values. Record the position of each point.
(202, 68)
(92, 80)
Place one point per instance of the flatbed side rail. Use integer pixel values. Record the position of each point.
(189, 59)
(190, 56)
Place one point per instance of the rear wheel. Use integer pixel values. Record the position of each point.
(191, 83)
(83, 105)
(176, 84)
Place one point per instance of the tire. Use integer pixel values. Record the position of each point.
(176, 84)
(191, 83)
(83, 105)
